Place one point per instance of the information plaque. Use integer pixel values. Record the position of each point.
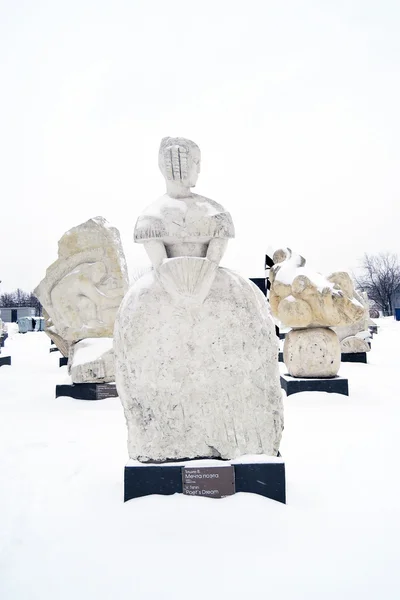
(210, 482)
(106, 390)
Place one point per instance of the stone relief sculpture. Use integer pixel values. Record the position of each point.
(81, 294)
(311, 304)
(195, 345)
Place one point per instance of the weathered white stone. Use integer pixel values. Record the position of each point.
(311, 303)
(92, 361)
(62, 345)
(359, 328)
(196, 351)
(81, 294)
(352, 344)
(300, 297)
(83, 289)
(312, 352)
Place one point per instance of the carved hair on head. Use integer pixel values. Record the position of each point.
(175, 156)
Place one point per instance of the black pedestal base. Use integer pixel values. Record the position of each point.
(334, 385)
(5, 360)
(54, 349)
(280, 357)
(87, 391)
(357, 357)
(263, 478)
(63, 361)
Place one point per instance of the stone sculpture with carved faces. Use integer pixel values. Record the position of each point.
(81, 294)
(195, 345)
(311, 304)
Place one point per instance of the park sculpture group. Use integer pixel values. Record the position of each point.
(192, 346)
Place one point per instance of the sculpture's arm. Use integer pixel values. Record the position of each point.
(156, 252)
(216, 249)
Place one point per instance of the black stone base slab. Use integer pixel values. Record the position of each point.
(357, 357)
(63, 361)
(265, 479)
(334, 385)
(54, 349)
(260, 283)
(87, 391)
(280, 357)
(5, 360)
(282, 335)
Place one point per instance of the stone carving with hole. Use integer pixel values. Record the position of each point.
(195, 345)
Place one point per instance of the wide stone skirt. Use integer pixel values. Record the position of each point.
(198, 380)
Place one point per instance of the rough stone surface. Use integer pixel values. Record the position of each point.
(83, 289)
(312, 352)
(195, 345)
(359, 328)
(353, 344)
(62, 345)
(302, 298)
(311, 303)
(92, 361)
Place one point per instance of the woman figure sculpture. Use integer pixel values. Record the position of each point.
(195, 346)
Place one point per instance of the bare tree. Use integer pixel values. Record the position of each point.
(380, 278)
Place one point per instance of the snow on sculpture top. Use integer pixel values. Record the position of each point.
(84, 287)
(302, 298)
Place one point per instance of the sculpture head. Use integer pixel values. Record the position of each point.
(179, 161)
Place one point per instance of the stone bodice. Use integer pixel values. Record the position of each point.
(193, 219)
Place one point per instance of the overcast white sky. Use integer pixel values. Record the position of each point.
(294, 104)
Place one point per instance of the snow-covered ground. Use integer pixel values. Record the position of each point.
(66, 534)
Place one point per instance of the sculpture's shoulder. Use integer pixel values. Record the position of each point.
(194, 216)
(210, 216)
(207, 209)
(154, 220)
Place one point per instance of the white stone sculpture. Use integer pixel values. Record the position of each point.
(355, 337)
(92, 361)
(195, 345)
(81, 294)
(311, 304)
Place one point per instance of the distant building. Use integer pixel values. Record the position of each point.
(11, 315)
